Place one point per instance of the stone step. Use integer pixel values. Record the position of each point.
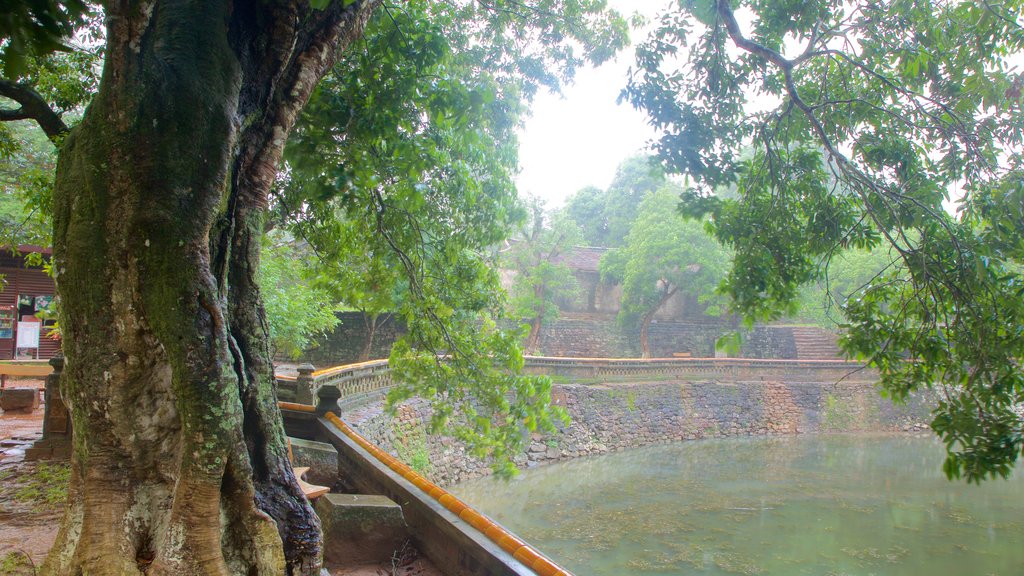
(360, 529)
(814, 343)
(320, 458)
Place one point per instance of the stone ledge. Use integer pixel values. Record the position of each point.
(320, 457)
(19, 399)
(359, 528)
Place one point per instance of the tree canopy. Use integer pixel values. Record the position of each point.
(605, 216)
(877, 125)
(541, 276)
(663, 255)
(162, 195)
(403, 164)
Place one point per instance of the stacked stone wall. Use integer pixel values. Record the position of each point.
(617, 416)
(573, 336)
(345, 344)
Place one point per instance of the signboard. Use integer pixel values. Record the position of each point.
(28, 335)
(43, 303)
(6, 322)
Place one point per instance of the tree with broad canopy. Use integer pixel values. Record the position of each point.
(664, 255)
(163, 192)
(872, 121)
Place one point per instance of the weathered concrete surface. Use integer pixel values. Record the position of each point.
(321, 459)
(19, 399)
(360, 529)
(449, 542)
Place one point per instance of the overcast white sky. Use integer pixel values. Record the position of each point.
(578, 139)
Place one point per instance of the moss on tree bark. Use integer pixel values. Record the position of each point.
(179, 463)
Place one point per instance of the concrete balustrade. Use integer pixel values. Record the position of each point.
(365, 381)
(322, 395)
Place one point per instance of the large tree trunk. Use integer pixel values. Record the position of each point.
(180, 464)
(645, 321)
(532, 345)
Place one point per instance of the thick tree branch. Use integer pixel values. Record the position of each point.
(33, 107)
(857, 176)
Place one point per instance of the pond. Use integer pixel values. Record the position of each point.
(815, 505)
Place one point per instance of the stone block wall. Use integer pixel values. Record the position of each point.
(769, 342)
(603, 338)
(586, 338)
(611, 417)
(346, 342)
(573, 336)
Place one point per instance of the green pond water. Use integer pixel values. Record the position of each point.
(816, 505)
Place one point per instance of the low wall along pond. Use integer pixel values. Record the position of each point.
(616, 405)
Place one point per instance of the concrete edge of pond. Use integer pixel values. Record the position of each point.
(452, 544)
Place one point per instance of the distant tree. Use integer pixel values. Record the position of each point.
(664, 254)
(297, 309)
(605, 216)
(870, 115)
(540, 277)
(850, 272)
(587, 208)
(635, 178)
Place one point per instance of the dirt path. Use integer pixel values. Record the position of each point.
(31, 494)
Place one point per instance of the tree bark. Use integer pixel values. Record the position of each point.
(180, 464)
(532, 345)
(645, 322)
(370, 321)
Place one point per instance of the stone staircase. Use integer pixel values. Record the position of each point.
(813, 343)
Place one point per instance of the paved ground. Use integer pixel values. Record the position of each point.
(19, 429)
(29, 510)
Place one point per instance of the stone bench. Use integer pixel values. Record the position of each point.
(360, 529)
(35, 369)
(19, 399)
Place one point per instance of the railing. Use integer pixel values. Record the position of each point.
(350, 380)
(496, 533)
(354, 383)
(493, 531)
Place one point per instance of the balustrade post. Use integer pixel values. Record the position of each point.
(304, 384)
(327, 400)
(56, 440)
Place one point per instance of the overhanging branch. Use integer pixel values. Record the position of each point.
(33, 107)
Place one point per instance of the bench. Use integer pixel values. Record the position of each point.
(312, 491)
(34, 368)
(682, 355)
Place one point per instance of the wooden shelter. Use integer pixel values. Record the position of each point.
(26, 297)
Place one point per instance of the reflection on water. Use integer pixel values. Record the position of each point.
(825, 505)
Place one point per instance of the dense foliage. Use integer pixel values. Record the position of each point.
(606, 216)
(26, 178)
(542, 278)
(400, 177)
(823, 301)
(664, 255)
(298, 308)
(871, 122)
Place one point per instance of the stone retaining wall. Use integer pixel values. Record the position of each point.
(617, 416)
(578, 337)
